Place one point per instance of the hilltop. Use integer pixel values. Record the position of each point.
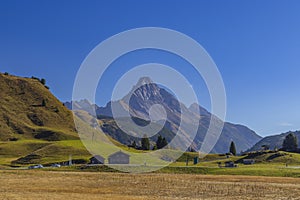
(29, 111)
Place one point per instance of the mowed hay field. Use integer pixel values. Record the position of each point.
(37, 184)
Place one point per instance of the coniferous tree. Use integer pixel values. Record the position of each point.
(164, 142)
(232, 148)
(290, 143)
(145, 143)
(159, 142)
(133, 144)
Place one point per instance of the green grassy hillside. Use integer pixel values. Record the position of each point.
(35, 127)
(28, 110)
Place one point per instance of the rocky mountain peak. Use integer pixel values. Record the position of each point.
(145, 89)
(144, 80)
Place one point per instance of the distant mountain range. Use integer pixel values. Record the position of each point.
(82, 105)
(274, 141)
(145, 94)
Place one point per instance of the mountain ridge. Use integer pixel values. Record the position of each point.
(145, 94)
(274, 141)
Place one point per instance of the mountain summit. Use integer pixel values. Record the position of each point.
(144, 81)
(146, 94)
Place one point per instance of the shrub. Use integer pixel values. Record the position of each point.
(36, 78)
(13, 139)
(44, 103)
(43, 81)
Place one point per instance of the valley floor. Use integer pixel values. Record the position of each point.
(38, 184)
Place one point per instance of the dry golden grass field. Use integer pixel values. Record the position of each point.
(36, 184)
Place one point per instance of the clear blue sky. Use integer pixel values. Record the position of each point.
(255, 44)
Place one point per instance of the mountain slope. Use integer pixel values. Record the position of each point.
(29, 110)
(274, 141)
(145, 94)
(35, 127)
(110, 127)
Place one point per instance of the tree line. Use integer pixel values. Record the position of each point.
(160, 143)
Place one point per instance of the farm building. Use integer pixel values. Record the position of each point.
(118, 158)
(230, 164)
(97, 159)
(248, 161)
